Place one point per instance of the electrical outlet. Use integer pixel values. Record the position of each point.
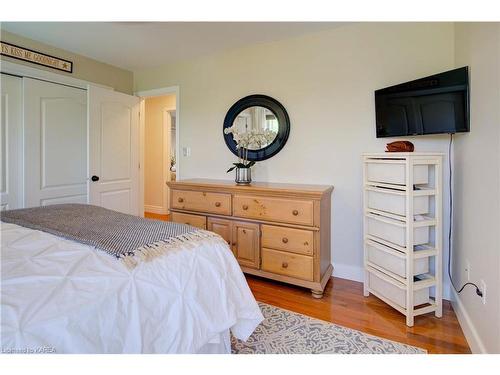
(186, 151)
(483, 289)
(467, 269)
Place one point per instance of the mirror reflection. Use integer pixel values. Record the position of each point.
(257, 120)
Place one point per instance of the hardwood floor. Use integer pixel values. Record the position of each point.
(343, 303)
(151, 215)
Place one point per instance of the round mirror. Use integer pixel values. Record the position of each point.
(257, 120)
(258, 123)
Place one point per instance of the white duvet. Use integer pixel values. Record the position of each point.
(59, 295)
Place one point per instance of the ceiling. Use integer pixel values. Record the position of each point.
(142, 45)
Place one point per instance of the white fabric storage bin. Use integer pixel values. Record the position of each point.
(394, 231)
(395, 173)
(395, 203)
(393, 260)
(395, 293)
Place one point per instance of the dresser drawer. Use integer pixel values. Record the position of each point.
(392, 260)
(193, 220)
(293, 265)
(394, 231)
(217, 203)
(395, 173)
(274, 209)
(288, 239)
(394, 202)
(393, 290)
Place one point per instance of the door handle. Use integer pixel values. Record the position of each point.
(95, 178)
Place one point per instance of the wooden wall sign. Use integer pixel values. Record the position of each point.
(39, 58)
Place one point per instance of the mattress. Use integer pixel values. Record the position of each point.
(60, 296)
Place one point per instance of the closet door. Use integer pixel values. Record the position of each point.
(11, 142)
(55, 143)
(114, 150)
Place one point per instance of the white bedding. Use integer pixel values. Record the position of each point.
(64, 296)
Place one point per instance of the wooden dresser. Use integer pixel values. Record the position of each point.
(277, 231)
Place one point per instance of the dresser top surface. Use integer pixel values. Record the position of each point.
(228, 185)
(399, 154)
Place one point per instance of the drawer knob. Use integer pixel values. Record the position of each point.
(295, 212)
(284, 265)
(217, 204)
(180, 200)
(245, 207)
(244, 231)
(284, 239)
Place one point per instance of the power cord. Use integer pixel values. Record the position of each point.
(478, 291)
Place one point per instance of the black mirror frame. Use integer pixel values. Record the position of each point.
(261, 101)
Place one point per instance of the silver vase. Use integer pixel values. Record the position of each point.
(243, 176)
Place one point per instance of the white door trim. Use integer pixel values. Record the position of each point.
(158, 92)
(27, 71)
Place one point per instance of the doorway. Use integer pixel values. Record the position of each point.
(160, 152)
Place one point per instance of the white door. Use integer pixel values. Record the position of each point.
(11, 142)
(114, 150)
(55, 143)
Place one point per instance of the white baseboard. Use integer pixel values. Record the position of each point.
(155, 209)
(470, 332)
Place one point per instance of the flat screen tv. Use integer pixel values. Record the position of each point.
(431, 105)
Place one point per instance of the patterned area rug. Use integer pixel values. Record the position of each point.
(286, 332)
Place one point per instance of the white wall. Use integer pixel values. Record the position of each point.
(476, 187)
(154, 161)
(325, 81)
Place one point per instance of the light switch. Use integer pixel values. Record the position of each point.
(186, 151)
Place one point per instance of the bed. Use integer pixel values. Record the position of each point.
(60, 295)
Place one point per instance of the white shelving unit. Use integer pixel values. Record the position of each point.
(403, 231)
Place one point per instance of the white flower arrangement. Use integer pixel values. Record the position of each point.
(250, 139)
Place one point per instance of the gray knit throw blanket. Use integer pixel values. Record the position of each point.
(126, 237)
